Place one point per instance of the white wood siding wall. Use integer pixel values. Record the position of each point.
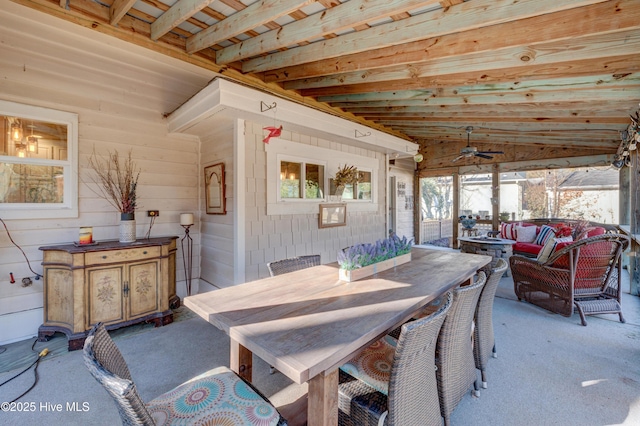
(217, 260)
(120, 94)
(404, 196)
(281, 236)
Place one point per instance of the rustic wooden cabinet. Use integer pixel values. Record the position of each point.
(115, 283)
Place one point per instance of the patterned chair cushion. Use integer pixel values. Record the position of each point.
(373, 365)
(217, 397)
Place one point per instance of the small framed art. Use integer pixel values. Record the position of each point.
(334, 214)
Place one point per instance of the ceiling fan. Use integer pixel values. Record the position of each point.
(471, 151)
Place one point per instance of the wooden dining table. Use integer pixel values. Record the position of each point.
(307, 323)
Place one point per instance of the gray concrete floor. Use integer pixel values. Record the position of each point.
(550, 371)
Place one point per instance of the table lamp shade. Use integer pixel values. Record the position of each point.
(186, 219)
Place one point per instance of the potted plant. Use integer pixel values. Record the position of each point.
(362, 260)
(117, 181)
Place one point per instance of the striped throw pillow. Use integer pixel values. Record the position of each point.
(546, 232)
(508, 231)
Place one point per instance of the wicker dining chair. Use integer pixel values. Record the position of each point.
(218, 396)
(279, 267)
(483, 337)
(456, 369)
(394, 382)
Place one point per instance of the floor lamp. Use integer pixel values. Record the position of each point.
(186, 221)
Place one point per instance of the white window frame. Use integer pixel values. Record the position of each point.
(69, 207)
(282, 150)
(303, 162)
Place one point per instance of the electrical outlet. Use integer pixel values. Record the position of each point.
(153, 213)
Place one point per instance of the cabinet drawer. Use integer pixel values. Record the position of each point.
(128, 255)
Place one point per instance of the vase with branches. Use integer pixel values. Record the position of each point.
(346, 175)
(117, 182)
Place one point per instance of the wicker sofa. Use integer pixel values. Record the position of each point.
(531, 249)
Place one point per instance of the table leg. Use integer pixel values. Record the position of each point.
(322, 409)
(241, 360)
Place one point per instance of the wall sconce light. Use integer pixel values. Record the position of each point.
(32, 144)
(16, 132)
(418, 158)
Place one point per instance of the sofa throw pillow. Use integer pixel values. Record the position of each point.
(508, 231)
(550, 247)
(525, 234)
(546, 232)
(546, 250)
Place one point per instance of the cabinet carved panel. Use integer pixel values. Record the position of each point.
(115, 283)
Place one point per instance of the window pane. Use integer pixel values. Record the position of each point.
(475, 195)
(314, 176)
(22, 183)
(290, 180)
(577, 193)
(26, 138)
(364, 186)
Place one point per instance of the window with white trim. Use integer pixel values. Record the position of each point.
(360, 191)
(299, 178)
(38, 162)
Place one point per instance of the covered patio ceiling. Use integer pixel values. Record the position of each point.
(536, 79)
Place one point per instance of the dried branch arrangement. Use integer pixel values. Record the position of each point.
(347, 175)
(117, 180)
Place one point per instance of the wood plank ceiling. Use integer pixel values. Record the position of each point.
(534, 78)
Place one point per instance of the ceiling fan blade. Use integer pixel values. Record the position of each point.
(458, 158)
(490, 152)
(482, 155)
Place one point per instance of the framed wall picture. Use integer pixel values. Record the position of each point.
(332, 215)
(214, 189)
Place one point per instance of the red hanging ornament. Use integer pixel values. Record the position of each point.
(274, 132)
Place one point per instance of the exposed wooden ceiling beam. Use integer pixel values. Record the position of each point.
(586, 95)
(571, 84)
(254, 15)
(594, 19)
(177, 14)
(458, 18)
(617, 67)
(580, 48)
(333, 20)
(118, 9)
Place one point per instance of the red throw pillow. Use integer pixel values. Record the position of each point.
(563, 230)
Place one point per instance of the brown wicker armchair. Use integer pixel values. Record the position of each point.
(585, 274)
